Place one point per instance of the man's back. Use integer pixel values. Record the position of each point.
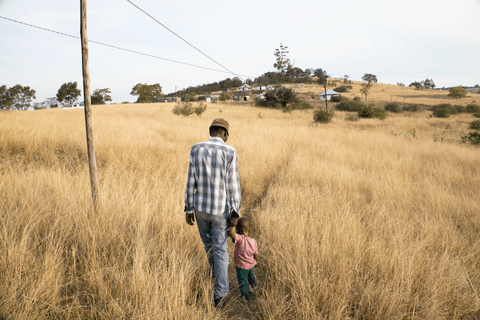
(213, 185)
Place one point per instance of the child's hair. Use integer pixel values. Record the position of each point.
(243, 225)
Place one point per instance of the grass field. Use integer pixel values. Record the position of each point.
(373, 219)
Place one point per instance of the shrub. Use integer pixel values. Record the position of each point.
(443, 110)
(323, 115)
(473, 108)
(393, 107)
(460, 109)
(472, 137)
(267, 104)
(349, 87)
(341, 89)
(338, 98)
(183, 109)
(371, 111)
(200, 108)
(187, 108)
(352, 117)
(476, 115)
(223, 97)
(475, 125)
(348, 105)
(357, 99)
(278, 98)
(410, 107)
(300, 105)
(288, 108)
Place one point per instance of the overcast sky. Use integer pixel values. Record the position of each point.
(398, 41)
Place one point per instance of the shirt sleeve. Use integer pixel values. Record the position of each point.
(233, 188)
(191, 184)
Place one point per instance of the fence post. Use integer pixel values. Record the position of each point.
(87, 105)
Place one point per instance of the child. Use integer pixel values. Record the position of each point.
(245, 257)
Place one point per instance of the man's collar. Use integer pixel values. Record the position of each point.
(217, 139)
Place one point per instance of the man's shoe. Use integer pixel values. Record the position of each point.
(219, 302)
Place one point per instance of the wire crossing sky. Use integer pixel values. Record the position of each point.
(191, 45)
(403, 41)
(118, 48)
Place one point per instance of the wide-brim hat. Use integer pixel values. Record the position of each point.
(220, 122)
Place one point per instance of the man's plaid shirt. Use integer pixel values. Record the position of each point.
(213, 184)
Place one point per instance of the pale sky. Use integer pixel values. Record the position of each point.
(398, 41)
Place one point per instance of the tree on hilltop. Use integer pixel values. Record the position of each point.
(17, 97)
(428, 84)
(279, 96)
(365, 90)
(320, 73)
(457, 92)
(283, 62)
(68, 92)
(368, 77)
(322, 80)
(146, 92)
(100, 96)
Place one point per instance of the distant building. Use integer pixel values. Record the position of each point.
(212, 98)
(261, 96)
(329, 94)
(241, 98)
(245, 87)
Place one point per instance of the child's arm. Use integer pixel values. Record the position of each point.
(231, 233)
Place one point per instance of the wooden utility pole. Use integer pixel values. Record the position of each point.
(92, 164)
(326, 96)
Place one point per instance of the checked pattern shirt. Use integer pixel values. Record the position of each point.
(213, 183)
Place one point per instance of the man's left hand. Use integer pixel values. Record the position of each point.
(190, 218)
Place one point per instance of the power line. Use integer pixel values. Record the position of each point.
(119, 48)
(191, 45)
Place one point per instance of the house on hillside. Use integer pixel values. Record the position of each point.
(329, 94)
(240, 97)
(245, 87)
(261, 96)
(270, 87)
(259, 87)
(212, 98)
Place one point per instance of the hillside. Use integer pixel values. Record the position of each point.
(382, 93)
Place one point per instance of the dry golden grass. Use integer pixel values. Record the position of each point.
(355, 220)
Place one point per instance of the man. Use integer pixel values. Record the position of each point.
(212, 197)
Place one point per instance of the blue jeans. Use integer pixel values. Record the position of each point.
(213, 232)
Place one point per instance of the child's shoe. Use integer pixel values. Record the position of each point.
(219, 302)
(251, 288)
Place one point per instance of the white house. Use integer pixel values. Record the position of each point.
(260, 87)
(76, 105)
(245, 87)
(330, 94)
(270, 87)
(261, 96)
(241, 98)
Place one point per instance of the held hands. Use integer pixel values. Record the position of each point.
(232, 221)
(190, 218)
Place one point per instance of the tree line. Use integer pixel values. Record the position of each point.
(20, 97)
